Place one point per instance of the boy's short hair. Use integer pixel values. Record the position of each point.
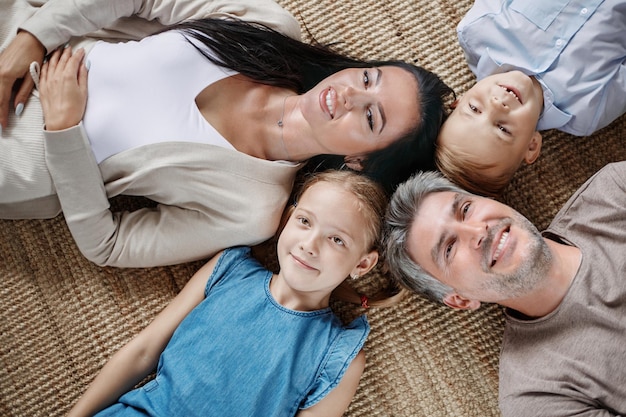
(467, 173)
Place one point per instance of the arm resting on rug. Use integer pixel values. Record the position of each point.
(338, 400)
(140, 356)
(146, 237)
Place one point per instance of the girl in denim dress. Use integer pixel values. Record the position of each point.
(241, 341)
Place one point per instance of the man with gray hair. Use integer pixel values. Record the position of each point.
(564, 289)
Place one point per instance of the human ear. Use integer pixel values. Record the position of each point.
(534, 147)
(458, 302)
(366, 264)
(354, 162)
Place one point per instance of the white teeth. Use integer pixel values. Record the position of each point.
(329, 104)
(511, 92)
(503, 239)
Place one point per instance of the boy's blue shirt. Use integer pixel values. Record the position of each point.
(575, 49)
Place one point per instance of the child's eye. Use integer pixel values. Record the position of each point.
(473, 108)
(366, 78)
(338, 241)
(504, 129)
(370, 118)
(303, 220)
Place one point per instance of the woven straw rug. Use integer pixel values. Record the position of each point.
(62, 317)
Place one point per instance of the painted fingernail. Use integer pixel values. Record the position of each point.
(19, 109)
(88, 64)
(67, 45)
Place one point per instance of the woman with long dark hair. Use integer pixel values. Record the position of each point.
(211, 119)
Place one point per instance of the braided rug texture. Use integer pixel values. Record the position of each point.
(61, 317)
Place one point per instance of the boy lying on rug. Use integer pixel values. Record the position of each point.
(540, 65)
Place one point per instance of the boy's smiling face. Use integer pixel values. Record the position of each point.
(494, 123)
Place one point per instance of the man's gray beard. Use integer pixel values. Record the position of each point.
(533, 269)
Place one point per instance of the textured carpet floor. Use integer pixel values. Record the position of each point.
(62, 317)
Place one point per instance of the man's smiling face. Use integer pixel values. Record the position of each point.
(484, 250)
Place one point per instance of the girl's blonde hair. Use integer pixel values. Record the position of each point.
(372, 204)
(464, 171)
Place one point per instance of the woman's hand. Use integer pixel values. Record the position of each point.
(15, 61)
(63, 89)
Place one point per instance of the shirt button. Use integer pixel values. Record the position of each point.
(559, 42)
(584, 10)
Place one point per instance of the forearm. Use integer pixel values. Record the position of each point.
(337, 401)
(145, 237)
(121, 373)
(59, 20)
(103, 237)
(79, 185)
(142, 238)
(141, 355)
(152, 236)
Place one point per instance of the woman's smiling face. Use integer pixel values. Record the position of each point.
(360, 110)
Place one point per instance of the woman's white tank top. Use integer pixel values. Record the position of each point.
(144, 92)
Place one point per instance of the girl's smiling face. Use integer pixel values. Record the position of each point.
(323, 242)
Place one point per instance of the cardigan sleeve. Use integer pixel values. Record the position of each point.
(57, 21)
(151, 236)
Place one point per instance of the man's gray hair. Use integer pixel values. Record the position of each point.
(401, 214)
